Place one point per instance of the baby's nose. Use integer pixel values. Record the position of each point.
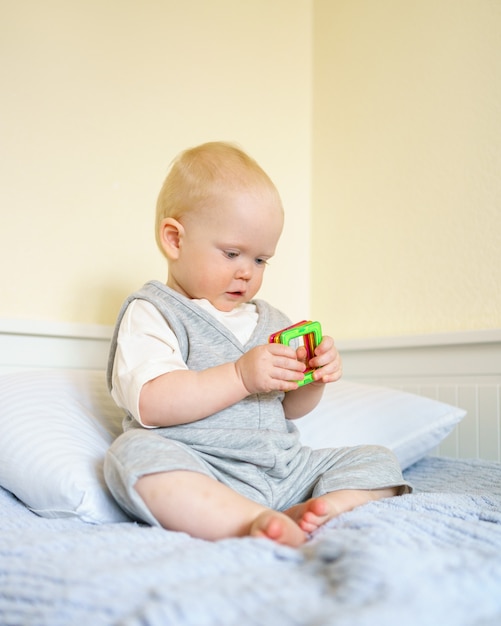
(244, 271)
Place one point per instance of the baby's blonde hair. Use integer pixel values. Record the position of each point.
(202, 172)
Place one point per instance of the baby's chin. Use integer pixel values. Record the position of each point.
(224, 304)
(229, 301)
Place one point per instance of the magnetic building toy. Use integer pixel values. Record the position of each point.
(311, 333)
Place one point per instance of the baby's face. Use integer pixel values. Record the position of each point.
(224, 248)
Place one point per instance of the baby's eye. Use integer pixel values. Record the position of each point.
(260, 261)
(231, 254)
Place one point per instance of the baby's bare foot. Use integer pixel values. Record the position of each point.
(277, 527)
(312, 514)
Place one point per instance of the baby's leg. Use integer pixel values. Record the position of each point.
(346, 478)
(205, 508)
(313, 513)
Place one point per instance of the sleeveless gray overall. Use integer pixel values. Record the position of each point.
(249, 446)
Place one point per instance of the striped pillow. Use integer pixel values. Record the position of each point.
(55, 427)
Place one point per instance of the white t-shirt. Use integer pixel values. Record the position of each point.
(147, 347)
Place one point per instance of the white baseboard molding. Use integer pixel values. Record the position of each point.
(27, 344)
(446, 354)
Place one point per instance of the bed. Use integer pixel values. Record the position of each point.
(69, 555)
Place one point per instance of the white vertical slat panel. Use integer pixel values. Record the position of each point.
(489, 431)
(468, 427)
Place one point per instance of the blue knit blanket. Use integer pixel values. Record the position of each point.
(432, 557)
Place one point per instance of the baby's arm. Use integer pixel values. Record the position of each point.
(328, 364)
(184, 396)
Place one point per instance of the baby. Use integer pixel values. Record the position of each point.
(209, 444)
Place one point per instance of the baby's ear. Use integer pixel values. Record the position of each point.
(171, 233)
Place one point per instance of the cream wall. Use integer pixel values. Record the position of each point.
(403, 138)
(406, 166)
(97, 97)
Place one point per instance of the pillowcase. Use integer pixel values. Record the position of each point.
(55, 427)
(351, 413)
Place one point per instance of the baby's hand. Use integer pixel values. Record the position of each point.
(327, 362)
(270, 367)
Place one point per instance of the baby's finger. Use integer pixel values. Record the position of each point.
(325, 356)
(280, 349)
(330, 372)
(301, 354)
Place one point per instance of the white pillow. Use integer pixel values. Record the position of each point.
(55, 427)
(352, 413)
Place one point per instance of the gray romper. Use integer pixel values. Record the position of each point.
(249, 446)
